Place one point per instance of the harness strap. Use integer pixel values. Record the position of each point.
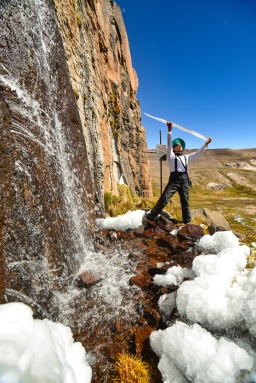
(185, 166)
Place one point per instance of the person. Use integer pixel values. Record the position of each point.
(179, 180)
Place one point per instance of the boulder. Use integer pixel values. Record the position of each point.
(213, 229)
(165, 223)
(89, 278)
(190, 232)
(216, 186)
(212, 217)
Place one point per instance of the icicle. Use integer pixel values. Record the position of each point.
(179, 127)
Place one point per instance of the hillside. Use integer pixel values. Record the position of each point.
(223, 180)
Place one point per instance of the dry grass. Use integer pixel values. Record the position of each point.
(131, 369)
(251, 260)
(118, 205)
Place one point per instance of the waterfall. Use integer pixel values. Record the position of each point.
(48, 199)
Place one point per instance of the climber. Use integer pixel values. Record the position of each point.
(179, 180)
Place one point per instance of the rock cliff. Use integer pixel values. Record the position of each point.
(105, 85)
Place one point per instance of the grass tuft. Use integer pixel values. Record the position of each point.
(121, 203)
(131, 369)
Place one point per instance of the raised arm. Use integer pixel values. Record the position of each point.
(208, 141)
(169, 124)
(192, 156)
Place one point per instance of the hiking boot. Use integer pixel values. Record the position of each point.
(150, 216)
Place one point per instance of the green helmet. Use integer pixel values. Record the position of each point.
(180, 142)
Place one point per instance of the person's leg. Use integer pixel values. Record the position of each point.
(184, 199)
(171, 188)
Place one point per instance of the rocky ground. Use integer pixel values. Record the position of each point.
(153, 248)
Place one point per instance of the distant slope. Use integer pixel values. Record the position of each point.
(222, 161)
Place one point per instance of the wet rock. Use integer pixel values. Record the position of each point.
(154, 291)
(165, 223)
(147, 223)
(190, 232)
(185, 245)
(213, 229)
(99, 247)
(139, 230)
(89, 278)
(151, 251)
(129, 233)
(116, 235)
(170, 241)
(11, 295)
(184, 259)
(140, 280)
(159, 270)
(152, 316)
(160, 232)
(140, 335)
(149, 232)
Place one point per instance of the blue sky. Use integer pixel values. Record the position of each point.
(196, 64)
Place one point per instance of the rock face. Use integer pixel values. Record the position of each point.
(105, 85)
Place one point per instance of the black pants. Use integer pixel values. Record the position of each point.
(178, 182)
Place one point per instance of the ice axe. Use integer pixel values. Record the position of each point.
(179, 127)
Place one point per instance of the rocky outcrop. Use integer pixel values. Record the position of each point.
(240, 180)
(105, 85)
(216, 186)
(212, 218)
(251, 165)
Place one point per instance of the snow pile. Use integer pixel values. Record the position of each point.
(221, 296)
(38, 350)
(217, 242)
(200, 356)
(166, 303)
(130, 220)
(215, 298)
(174, 276)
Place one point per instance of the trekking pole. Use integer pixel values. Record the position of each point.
(199, 135)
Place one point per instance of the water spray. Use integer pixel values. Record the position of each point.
(199, 135)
